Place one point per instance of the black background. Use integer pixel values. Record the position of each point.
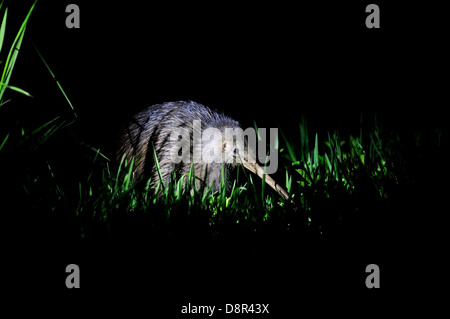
(263, 61)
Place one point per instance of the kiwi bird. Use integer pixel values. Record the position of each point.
(150, 134)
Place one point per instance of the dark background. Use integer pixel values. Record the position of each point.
(269, 62)
(265, 62)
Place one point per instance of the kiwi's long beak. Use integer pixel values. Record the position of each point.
(256, 169)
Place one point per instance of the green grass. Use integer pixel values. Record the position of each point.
(40, 134)
(12, 55)
(335, 171)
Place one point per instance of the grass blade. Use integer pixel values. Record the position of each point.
(57, 82)
(161, 181)
(316, 153)
(14, 88)
(4, 141)
(289, 147)
(3, 28)
(257, 131)
(40, 128)
(13, 53)
(223, 187)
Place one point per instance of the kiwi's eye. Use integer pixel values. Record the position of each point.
(234, 151)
